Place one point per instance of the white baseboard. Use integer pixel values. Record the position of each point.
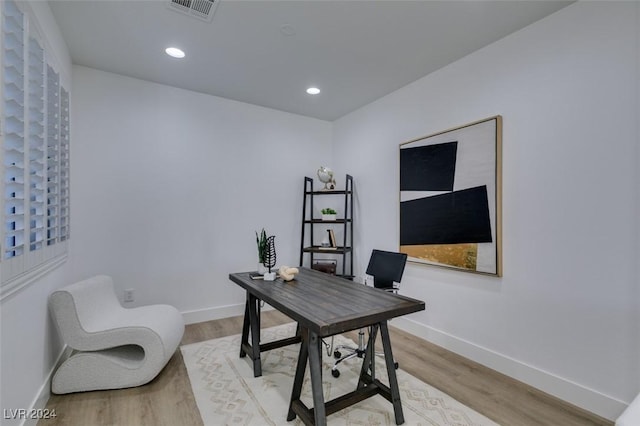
(44, 393)
(209, 314)
(573, 393)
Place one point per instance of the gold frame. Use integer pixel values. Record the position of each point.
(498, 196)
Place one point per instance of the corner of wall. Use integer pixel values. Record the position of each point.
(637, 177)
(44, 393)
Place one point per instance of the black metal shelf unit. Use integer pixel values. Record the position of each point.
(345, 220)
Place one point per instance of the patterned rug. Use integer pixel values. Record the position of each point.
(227, 393)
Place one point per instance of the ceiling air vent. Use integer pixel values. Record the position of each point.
(201, 9)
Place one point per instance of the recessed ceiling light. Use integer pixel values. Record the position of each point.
(313, 90)
(174, 52)
(287, 29)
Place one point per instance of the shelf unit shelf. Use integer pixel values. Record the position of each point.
(329, 192)
(328, 221)
(309, 248)
(319, 249)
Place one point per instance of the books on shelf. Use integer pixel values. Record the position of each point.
(332, 238)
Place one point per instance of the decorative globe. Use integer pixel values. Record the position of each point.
(325, 175)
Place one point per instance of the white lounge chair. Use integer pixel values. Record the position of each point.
(113, 347)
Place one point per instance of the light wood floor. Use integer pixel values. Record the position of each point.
(168, 399)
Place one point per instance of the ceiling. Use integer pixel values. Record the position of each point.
(354, 51)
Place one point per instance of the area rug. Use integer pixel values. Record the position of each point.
(227, 393)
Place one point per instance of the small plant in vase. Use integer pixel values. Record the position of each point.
(261, 241)
(328, 214)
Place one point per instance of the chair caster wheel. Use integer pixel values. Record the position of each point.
(395, 364)
(337, 354)
(335, 373)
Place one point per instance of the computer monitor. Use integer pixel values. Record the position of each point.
(386, 267)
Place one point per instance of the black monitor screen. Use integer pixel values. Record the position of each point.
(386, 267)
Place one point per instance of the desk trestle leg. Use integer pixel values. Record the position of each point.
(299, 377)
(244, 343)
(368, 385)
(315, 367)
(310, 350)
(252, 323)
(393, 379)
(369, 359)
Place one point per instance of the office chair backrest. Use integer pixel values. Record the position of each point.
(386, 267)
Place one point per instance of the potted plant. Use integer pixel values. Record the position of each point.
(261, 241)
(328, 214)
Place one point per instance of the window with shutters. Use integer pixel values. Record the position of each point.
(35, 150)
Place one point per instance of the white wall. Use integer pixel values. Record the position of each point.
(28, 340)
(169, 186)
(565, 315)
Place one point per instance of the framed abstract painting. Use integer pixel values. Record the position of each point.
(451, 198)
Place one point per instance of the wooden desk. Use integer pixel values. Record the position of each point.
(324, 305)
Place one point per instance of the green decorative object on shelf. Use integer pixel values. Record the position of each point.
(328, 214)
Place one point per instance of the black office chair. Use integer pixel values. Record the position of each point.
(386, 268)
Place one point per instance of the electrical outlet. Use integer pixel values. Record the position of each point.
(129, 295)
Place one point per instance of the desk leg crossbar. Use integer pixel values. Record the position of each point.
(368, 385)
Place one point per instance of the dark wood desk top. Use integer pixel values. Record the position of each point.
(326, 304)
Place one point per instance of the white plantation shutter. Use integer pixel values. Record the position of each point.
(36, 146)
(35, 152)
(14, 117)
(64, 185)
(53, 154)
